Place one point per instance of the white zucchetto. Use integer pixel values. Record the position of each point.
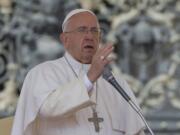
(73, 12)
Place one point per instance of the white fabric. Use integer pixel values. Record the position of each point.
(69, 108)
(73, 12)
(88, 83)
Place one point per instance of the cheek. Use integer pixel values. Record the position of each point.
(68, 43)
(97, 45)
(77, 46)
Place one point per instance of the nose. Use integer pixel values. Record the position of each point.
(89, 33)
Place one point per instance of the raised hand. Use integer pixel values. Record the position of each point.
(99, 61)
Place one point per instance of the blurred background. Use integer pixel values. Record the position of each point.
(145, 33)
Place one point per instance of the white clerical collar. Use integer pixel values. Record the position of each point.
(76, 64)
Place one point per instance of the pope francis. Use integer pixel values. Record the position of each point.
(68, 96)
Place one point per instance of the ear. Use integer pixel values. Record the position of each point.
(63, 38)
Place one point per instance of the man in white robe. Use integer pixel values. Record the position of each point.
(63, 97)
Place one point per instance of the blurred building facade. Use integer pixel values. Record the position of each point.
(145, 33)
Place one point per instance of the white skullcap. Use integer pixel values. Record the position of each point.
(73, 12)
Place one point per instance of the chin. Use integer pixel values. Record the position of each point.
(87, 59)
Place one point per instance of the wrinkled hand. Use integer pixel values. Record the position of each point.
(99, 61)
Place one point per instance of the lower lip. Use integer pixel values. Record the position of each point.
(89, 49)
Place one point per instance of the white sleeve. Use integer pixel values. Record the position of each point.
(66, 100)
(88, 83)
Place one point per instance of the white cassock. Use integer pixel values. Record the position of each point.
(53, 101)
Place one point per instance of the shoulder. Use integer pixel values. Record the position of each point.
(51, 67)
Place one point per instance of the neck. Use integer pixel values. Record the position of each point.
(76, 62)
(85, 61)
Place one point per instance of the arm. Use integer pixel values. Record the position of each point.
(74, 96)
(66, 100)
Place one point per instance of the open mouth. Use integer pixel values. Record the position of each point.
(89, 47)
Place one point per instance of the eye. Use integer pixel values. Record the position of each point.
(82, 29)
(94, 30)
